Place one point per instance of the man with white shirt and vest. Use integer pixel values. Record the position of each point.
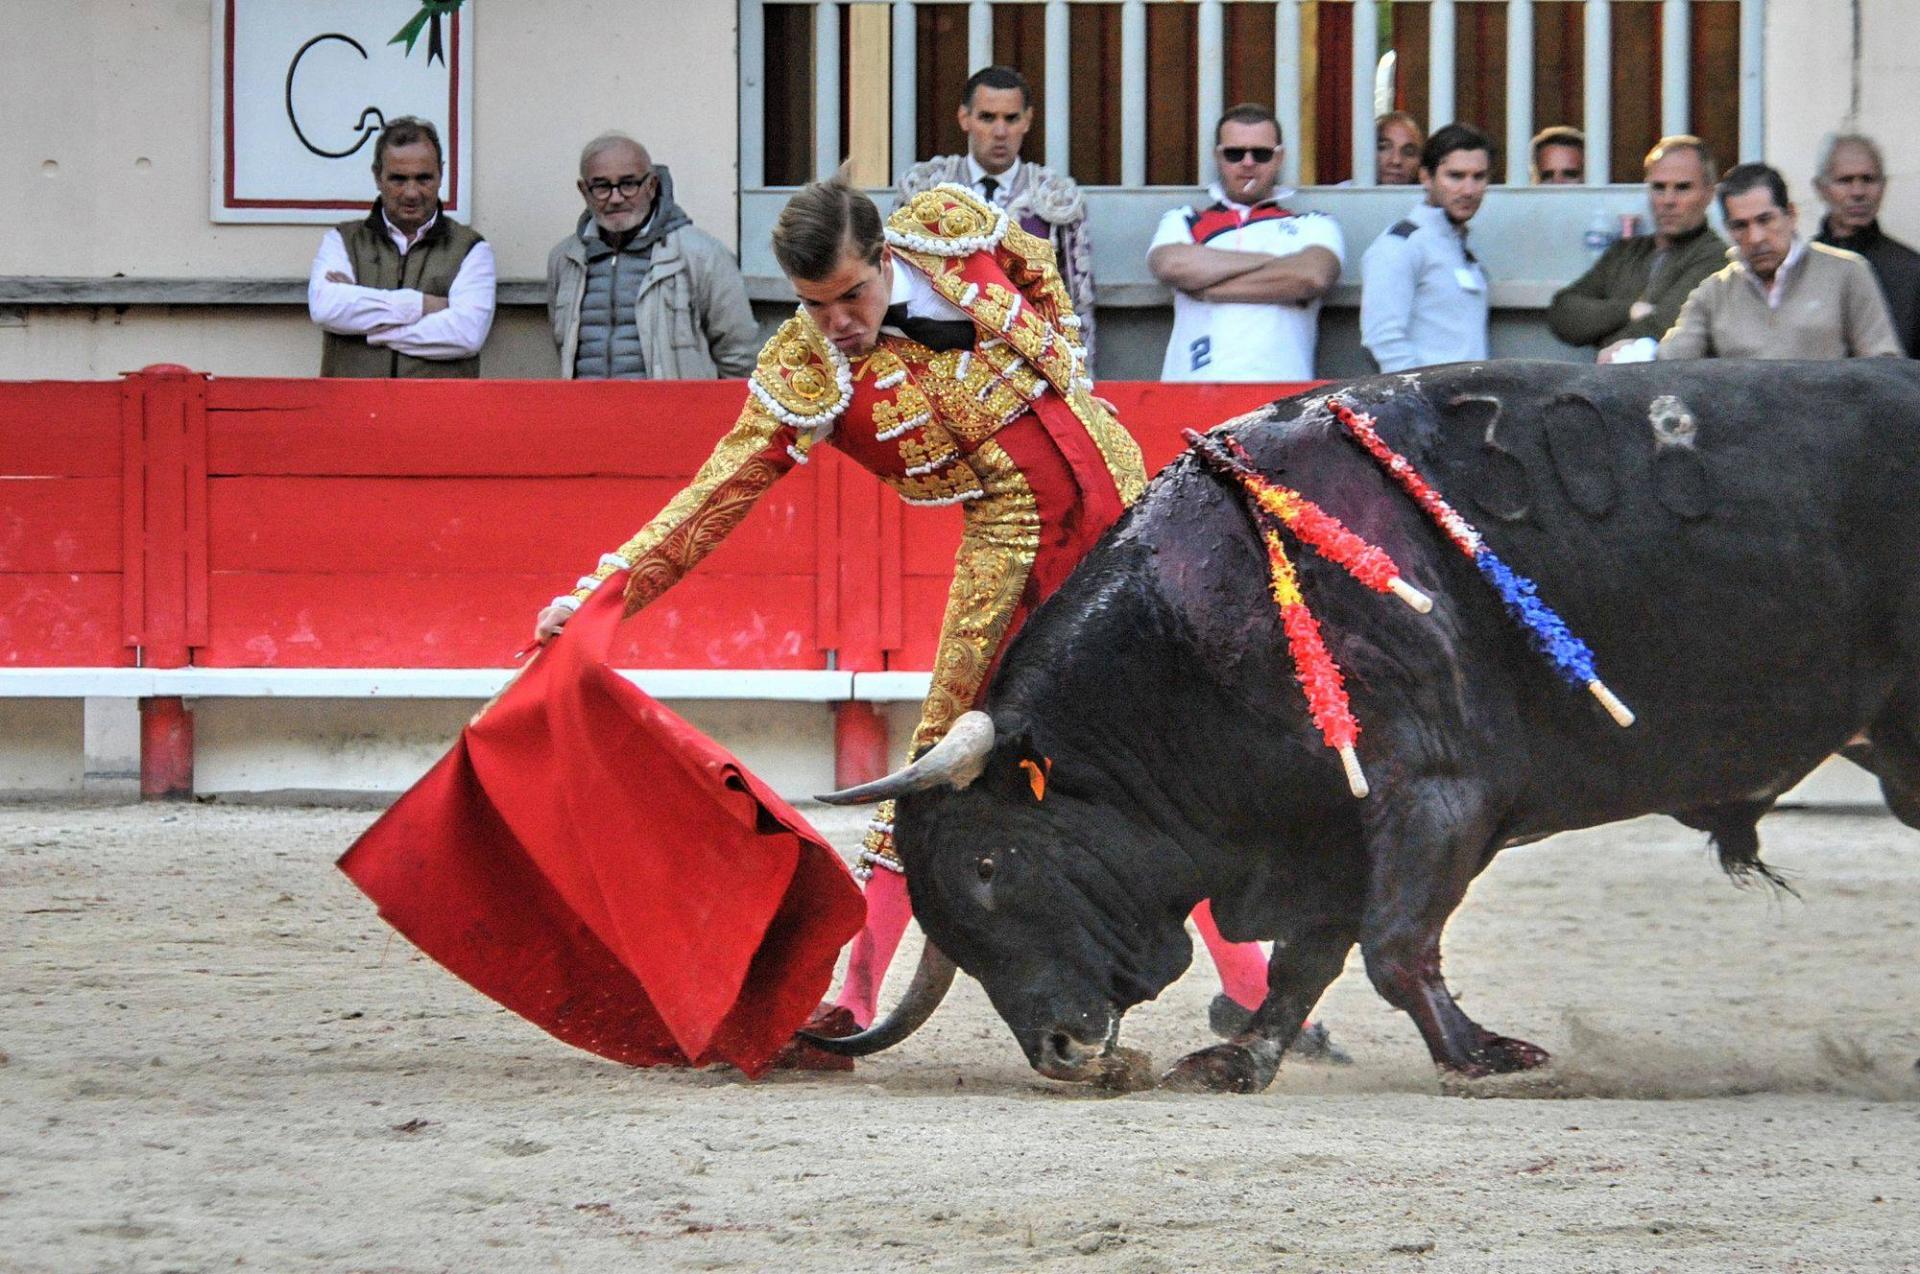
(405, 291)
(1423, 292)
(1247, 273)
(996, 110)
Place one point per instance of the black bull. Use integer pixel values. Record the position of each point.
(1739, 543)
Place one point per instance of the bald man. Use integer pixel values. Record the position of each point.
(637, 291)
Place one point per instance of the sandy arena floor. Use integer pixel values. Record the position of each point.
(213, 1055)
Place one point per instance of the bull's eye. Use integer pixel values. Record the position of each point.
(985, 867)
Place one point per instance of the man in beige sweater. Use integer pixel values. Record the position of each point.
(1779, 296)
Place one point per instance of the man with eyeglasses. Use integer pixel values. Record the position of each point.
(637, 291)
(1852, 180)
(1780, 296)
(404, 291)
(1247, 273)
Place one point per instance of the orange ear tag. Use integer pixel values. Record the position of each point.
(1037, 776)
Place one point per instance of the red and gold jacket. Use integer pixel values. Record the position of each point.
(912, 416)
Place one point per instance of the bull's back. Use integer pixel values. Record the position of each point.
(1737, 542)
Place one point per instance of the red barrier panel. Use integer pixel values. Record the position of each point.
(310, 523)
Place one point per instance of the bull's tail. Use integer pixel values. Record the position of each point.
(1734, 831)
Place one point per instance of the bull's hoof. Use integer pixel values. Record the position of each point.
(1224, 1068)
(1502, 1055)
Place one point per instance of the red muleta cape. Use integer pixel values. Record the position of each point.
(606, 871)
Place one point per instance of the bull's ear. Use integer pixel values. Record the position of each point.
(1033, 766)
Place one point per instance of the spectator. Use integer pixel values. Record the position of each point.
(1247, 273)
(637, 291)
(1851, 182)
(1637, 286)
(996, 110)
(1423, 295)
(403, 291)
(1559, 156)
(1780, 297)
(1397, 139)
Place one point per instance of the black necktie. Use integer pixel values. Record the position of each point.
(935, 334)
(988, 185)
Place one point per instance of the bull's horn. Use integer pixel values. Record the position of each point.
(956, 760)
(928, 988)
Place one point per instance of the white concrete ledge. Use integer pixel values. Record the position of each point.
(795, 685)
(891, 687)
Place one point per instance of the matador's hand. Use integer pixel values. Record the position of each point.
(551, 621)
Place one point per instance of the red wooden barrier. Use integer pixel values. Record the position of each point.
(175, 519)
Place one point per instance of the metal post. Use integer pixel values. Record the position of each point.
(1753, 107)
(1440, 43)
(1212, 47)
(1598, 124)
(1133, 93)
(1366, 56)
(753, 95)
(1286, 83)
(826, 89)
(1676, 48)
(1059, 88)
(1519, 88)
(906, 86)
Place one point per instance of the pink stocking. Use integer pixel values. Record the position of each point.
(1242, 965)
(888, 911)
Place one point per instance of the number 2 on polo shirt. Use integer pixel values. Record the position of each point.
(1200, 352)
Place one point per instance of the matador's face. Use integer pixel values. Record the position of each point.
(850, 303)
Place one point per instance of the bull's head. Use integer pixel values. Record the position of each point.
(1022, 878)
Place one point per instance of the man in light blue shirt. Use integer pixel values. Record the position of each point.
(1423, 292)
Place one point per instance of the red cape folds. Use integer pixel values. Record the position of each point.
(603, 869)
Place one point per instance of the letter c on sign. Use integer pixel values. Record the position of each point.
(365, 129)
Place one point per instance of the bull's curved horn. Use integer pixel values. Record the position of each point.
(929, 986)
(956, 760)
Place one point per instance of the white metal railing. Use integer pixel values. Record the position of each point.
(829, 147)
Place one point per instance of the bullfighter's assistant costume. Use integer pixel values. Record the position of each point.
(1001, 422)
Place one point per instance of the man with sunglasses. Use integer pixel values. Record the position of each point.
(637, 291)
(1247, 273)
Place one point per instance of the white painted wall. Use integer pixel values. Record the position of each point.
(105, 156)
(1812, 73)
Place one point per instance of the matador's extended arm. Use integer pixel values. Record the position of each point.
(797, 390)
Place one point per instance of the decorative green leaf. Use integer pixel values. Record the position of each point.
(411, 32)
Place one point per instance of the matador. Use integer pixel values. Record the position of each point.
(939, 350)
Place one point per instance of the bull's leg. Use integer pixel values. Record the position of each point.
(1302, 967)
(1425, 851)
(1888, 753)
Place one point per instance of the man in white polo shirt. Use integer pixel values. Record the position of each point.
(1247, 274)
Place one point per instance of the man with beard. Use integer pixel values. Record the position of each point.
(1423, 293)
(1852, 181)
(637, 291)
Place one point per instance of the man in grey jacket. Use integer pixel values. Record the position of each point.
(637, 291)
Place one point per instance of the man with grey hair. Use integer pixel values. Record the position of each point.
(1638, 285)
(637, 291)
(1851, 181)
